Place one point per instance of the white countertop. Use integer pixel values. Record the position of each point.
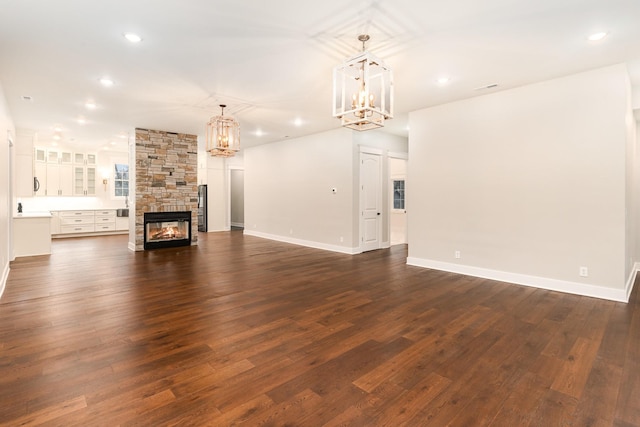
(32, 215)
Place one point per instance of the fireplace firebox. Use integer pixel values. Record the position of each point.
(167, 229)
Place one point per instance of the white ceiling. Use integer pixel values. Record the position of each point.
(271, 61)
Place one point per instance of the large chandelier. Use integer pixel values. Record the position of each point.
(223, 135)
(363, 91)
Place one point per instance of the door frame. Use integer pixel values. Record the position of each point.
(10, 174)
(381, 185)
(229, 169)
(400, 156)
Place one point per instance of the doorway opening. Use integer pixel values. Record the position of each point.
(236, 199)
(397, 199)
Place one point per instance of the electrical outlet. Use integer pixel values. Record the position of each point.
(456, 254)
(584, 272)
(341, 239)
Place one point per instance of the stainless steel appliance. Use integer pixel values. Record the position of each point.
(202, 208)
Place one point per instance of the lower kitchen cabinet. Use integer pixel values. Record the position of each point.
(86, 222)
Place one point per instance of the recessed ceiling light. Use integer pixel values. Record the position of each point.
(106, 82)
(132, 37)
(598, 36)
(443, 80)
(259, 132)
(298, 122)
(81, 120)
(57, 128)
(113, 143)
(56, 137)
(90, 105)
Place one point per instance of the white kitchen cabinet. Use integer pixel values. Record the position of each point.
(52, 172)
(40, 155)
(106, 220)
(59, 181)
(84, 180)
(40, 179)
(122, 223)
(86, 222)
(55, 222)
(32, 234)
(76, 222)
(84, 159)
(59, 172)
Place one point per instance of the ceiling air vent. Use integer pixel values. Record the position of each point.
(491, 86)
(27, 98)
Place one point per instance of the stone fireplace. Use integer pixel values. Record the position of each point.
(166, 184)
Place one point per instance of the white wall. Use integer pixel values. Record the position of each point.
(636, 200)
(217, 194)
(528, 184)
(632, 188)
(288, 188)
(6, 126)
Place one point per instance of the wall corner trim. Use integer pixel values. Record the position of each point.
(4, 278)
(632, 280)
(619, 295)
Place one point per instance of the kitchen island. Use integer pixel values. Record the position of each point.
(31, 234)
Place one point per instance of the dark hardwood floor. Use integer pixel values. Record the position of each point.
(241, 330)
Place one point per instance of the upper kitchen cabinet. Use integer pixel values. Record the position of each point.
(60, 172)
(84, 180)
(84, 159)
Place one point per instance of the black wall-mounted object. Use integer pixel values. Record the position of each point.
(202, 208)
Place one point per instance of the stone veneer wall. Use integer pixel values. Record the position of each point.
(166, 177)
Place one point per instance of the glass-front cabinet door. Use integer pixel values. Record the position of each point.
(84, 181)
(90, 183)
(78, 180)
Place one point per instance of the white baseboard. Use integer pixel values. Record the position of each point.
(237, 224)
(4, 278)
(307, 243)
(620, 295)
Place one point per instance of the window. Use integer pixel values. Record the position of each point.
(398, 194)
(121, 180)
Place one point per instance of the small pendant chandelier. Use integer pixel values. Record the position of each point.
(363, 91)
(223, 135)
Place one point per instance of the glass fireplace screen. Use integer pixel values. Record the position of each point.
(167, 230)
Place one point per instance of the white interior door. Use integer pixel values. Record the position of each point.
(370, 201)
